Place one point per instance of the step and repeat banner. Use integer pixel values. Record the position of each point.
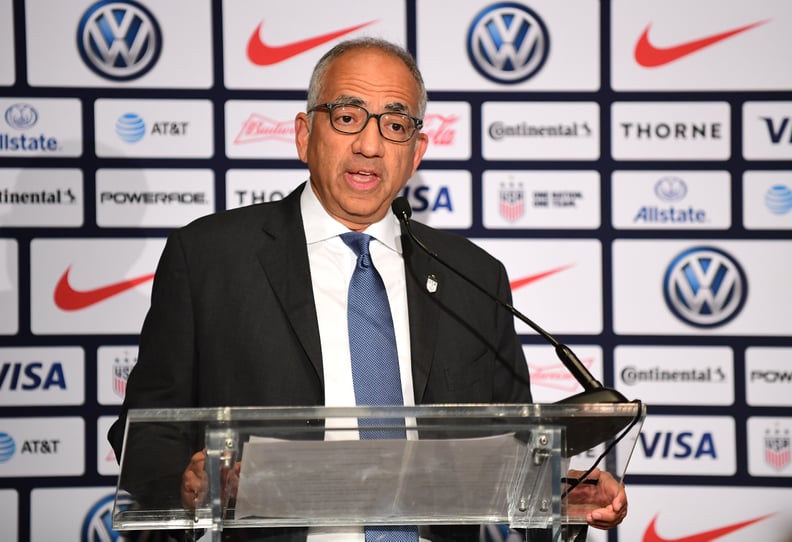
(629, 161)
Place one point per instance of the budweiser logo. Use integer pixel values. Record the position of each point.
(556, 377)
(259, 128)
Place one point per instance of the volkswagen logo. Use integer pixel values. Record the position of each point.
(119, 39)
(508, 43)
(97, 525)
(705, 287)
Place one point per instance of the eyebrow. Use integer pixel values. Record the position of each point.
(396, 107)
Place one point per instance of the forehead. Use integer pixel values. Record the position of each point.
(374, 76)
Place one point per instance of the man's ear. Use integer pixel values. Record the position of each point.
(302, 133)
(421, 144)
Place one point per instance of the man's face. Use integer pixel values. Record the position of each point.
(357, 176)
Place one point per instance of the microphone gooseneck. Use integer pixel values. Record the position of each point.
(594, 391)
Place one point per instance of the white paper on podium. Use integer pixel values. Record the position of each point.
(370, 481)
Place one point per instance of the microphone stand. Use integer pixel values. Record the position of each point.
(593, 390)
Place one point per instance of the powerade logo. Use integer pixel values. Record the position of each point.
(7, 447)
(130, 127)
(119, 40)
(98, 523)
(705, 287)
(508, 43)
(22, 116)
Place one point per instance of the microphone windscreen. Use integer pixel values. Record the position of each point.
(401, 208)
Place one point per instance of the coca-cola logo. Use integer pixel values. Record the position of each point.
(441, 129)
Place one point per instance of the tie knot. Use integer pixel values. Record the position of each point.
(358, 242)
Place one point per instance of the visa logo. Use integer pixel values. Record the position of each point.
(422, 198)
(31, 376)
(678, 445)
(777, 133)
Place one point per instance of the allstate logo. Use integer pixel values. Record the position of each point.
(705, 287)
(779, 199)
(97, 525)
(119, 39)
(670, 188)
(21, 116)
(508, 43)
(130, 127)
(7, 447)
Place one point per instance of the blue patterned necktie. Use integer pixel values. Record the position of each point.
(375, 363)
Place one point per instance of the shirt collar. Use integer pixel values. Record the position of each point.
(320, 226)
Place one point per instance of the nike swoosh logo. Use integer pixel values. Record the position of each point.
(706, 536)
(525, 281)
(262, 54)
(651, 56)
(69, 299)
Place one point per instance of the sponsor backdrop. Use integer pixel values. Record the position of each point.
(630, 162)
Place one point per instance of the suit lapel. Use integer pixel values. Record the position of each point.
(284, 258)
(423, 313)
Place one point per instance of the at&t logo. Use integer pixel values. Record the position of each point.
(7, 447)
(705, 287)
(508, 43)
(119, 39)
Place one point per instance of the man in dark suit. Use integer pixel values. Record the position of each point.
(248, 306)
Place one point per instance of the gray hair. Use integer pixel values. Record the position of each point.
(317, 77)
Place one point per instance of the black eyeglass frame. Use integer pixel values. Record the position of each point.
(418, 123)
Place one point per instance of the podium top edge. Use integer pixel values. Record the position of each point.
(528, 410)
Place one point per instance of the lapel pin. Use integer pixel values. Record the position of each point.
(431, 284)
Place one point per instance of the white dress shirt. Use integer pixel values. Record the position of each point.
(332, 263)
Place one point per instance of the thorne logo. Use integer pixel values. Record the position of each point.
(705, 287)
(669, 131)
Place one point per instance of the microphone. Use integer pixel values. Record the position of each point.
(593, 390)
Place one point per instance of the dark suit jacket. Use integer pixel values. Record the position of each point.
(233, 321)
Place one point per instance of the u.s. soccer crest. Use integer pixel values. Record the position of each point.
(777, 448)
(122, 365)
(511, 200)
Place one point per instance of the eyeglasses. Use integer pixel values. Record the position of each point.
(353, 119)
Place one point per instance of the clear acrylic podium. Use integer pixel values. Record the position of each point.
(307, 466)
